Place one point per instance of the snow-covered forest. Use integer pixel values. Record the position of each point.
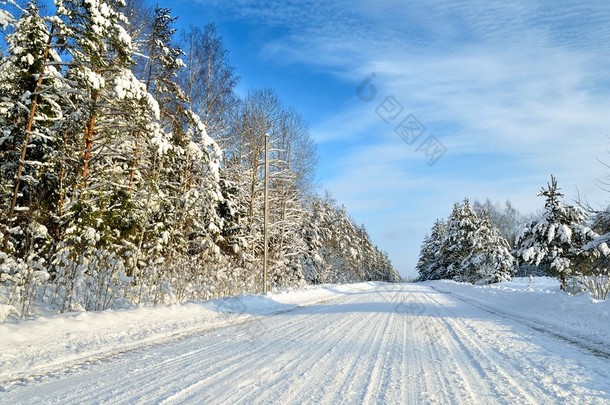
(131, 173)
(487, 243)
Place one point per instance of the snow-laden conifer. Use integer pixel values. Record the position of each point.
(558, 237)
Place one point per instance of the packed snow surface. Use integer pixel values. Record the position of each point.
(434, 342)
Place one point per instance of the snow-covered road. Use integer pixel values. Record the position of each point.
(404, 343)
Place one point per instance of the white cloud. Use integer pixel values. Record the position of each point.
(521, 81)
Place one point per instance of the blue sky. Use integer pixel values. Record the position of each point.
(514, 91)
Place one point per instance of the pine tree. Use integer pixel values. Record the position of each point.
(555, 239)
(315, 234)
(339, 251)
(29, 110)
(99, 209)
(162, 166)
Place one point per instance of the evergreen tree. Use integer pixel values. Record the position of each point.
(339, 251)
(490, 260)
(100, 208)
(466, 248)
(461, 229)
(316, 234)
(29, 110)
(556, 239)
(429, 265)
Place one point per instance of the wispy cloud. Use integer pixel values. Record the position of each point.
(515, 91)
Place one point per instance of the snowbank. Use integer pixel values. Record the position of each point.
(45, 344)
(540, 302)
(48, 344)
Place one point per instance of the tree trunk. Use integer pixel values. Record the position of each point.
(89, 132)
(28, 129)
(134, 163)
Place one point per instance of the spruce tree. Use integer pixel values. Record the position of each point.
(429, 265)
(490, 260)
(461, 228)
(557, 238)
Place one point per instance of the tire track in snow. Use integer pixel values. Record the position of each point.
(596, 348)
(326, 341)
(482, 360)
(509, 352)
(408, 344)
(425, 358)
(233, 360)
(341, 362)
(368, 368)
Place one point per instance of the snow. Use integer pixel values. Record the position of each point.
(29, 59)
(5, 18)
(541, 302)
(95, 80)
(75, 337)
(6, 310)
(194, 151)
(161, 140)
(433, 342)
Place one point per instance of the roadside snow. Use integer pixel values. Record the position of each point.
(45, 344)
(541, 302)
(433, 342)
(384, 343)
